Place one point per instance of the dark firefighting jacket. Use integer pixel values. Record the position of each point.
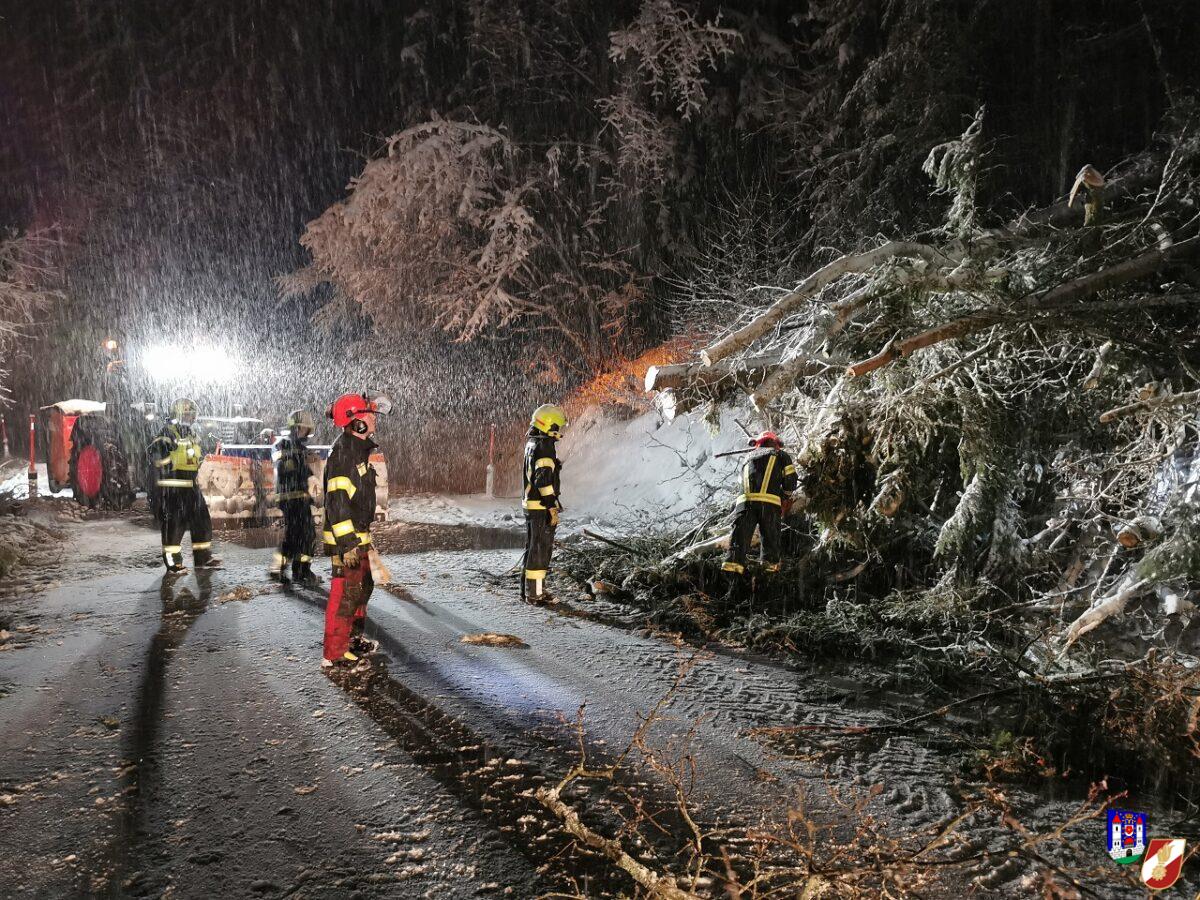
(349, 494)
(176, 456)
(541, 473)
(291, 468)
(768, 476)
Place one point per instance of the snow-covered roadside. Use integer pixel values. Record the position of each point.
(616, 472)
(455, 509)
(642, 471)
(14, 479)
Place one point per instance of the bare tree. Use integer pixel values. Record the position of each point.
(27, 275)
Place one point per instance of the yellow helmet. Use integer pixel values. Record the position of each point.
(549, 419)
(184, 410)
(302, 418)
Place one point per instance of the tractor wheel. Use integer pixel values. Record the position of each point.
(99, 472)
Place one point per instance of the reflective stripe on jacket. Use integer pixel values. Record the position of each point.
(768, 476)
(540, 475)
(349, 493)
(176, 456)
(291, 468)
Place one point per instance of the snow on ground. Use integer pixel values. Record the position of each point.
(14, 479)
(642, 470)
(455, 509)
(616, 472)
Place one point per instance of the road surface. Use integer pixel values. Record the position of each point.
(178, 738)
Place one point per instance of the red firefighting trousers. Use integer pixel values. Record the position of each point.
(346, 611)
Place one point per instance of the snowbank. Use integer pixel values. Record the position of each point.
(456, 509)
(642, 470)
(615, 472)
(14, 479)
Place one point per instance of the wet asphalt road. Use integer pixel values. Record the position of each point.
(159, 740)
(179, 739)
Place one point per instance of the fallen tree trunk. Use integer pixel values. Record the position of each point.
(662, 886)
(1160, 401)
(1057, 297)
(676, 376)
(814, 284)
(784, 376)
(1057, 215)
(719, 542)
(1064, 215)
(1111, 605)
(683, 387)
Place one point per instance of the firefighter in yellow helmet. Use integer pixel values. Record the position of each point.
(542, 499)
(292, 472)
(176, 455)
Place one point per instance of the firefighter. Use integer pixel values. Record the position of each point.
(292, 472)
(349, 511)
(768, 480)
(542, 499)
(176, 455)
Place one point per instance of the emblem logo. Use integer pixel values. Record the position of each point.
(1163, 862)
(1126, 835)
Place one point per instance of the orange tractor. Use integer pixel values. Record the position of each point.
(89, 451)
(102, 459)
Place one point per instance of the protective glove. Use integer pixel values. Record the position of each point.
(350, 558)
(554, 517)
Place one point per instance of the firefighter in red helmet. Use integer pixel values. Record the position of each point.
(349, 511)
(768, 479)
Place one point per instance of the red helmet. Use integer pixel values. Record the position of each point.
(349, 407)
(768, 439)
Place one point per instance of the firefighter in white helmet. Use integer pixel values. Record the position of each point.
(292, 474)
(542, 500)
(176, 455)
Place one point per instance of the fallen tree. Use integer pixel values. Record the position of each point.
(682, 387)
(1006, 414)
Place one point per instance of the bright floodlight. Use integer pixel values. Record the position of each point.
(196, 364)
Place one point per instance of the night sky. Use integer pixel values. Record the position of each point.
(178, 149)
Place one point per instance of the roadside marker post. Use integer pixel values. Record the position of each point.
(490, 486)
(33, 485)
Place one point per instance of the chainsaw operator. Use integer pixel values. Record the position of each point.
(768, 480)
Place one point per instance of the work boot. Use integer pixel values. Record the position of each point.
(302, 573)
(176, 570)
(363, 646)
(212, 562)
(278, 570)
(536, 593)
(348, 661)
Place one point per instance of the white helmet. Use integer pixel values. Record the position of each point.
(302, 418)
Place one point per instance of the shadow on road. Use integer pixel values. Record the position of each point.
(491, 779)
(180, 608)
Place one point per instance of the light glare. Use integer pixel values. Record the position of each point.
(198, 365)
